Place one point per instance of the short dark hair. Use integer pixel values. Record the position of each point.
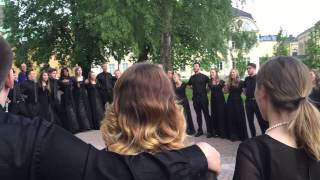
(197, 63)
(6, 57)
(252, 65)
(51, 70)
(28, 72)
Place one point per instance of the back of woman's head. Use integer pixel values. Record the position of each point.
(144, 116)
(288, 83)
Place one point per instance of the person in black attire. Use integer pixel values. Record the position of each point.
(106, 81)
(54, 87)
(67, 111)
(236, 120)
(45, 100)
(16, 100)
(31, 149)
(180, 89)
(199, 83)
(290, 149)
(314, 97)
(251, 105)
(218, 103)
(82, 105)
(29, 88)
(96, 105)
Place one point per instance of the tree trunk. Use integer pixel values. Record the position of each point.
(166, 36)
(165, 51)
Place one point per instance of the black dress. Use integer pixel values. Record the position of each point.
(264, 158)
(30, 90)
(46, 104)
(67, 112)
(82, 105)
(236, 121)
(183, 100)
(55, 100)
(96, 105)
(218, 108)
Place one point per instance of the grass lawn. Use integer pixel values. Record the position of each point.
(189, 95)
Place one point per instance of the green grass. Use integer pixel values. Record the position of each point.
(189, 95)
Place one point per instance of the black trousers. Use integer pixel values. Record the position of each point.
(251, 109)
(201, 104)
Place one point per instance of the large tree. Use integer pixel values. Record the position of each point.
(312, 58)
(83, 32)
(282, 46)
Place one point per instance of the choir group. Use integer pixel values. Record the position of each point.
(78, 104)
(227, 118)
(73, 102)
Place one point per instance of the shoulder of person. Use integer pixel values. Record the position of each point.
(254, 146)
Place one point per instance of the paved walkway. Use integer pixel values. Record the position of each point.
(226, 148)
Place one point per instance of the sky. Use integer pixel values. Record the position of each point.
(294, 16)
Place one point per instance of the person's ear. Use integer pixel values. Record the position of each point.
(10, 80)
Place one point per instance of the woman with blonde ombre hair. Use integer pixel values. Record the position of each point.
(290, 149)
(236, 119)
(144, 116)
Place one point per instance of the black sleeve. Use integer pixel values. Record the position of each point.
(190, 81)
(246, 167)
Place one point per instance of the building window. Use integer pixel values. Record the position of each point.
(247, 60)
(111, 68)
(124, 66)
(234, 63)
(220, 65)
(183, 68)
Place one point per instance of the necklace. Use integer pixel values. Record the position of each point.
(277, 125)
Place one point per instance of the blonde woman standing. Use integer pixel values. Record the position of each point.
(236, 120)
(290, 149)
(144, 116)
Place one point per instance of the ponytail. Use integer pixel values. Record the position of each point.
(306, 128)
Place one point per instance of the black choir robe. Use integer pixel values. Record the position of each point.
(96, 105)
(17, 104)
(106, 81)
(67, 111)
(30, 90)
(82, 105)
(46, 104)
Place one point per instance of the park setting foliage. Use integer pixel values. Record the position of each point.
(85, 33)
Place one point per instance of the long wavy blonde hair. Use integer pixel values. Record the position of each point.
(288, 82)
(144, 116)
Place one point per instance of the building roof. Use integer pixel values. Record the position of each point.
(237, 12)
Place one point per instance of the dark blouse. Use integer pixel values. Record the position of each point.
(181, 91)
(235, 92)
(216, 89)
(35, 149)
(264, 158)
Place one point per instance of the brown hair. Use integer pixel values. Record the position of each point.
(144, 116)
(217, 76)
(287, 81)
(6, 57)
(234, 82)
